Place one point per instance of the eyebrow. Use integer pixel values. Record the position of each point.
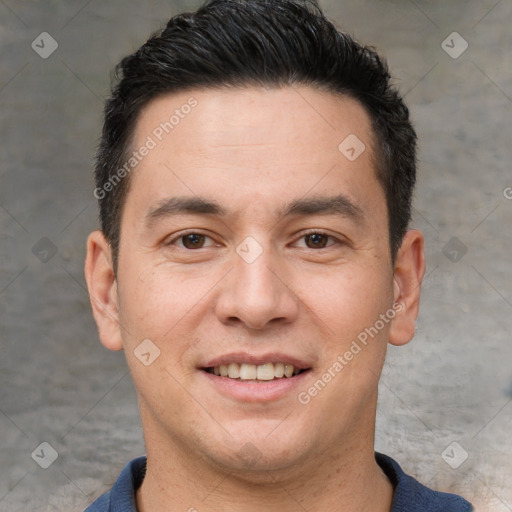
(317, 205)
(320, 205)
(182, 205)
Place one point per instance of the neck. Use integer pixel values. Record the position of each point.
(347, 479)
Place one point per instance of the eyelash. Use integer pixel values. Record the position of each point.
(330, 238)
(310, 232)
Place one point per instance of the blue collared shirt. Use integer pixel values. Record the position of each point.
(409, 494)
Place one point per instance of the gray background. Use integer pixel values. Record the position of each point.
(453, 383)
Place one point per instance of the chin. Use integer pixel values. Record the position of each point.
(261, 447)
(256, 466)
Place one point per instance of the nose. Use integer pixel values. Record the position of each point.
(256, 294)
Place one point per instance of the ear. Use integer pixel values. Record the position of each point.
(102, 285)
(408, 273)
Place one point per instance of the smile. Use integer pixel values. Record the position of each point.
(248, 377)
(253, 372)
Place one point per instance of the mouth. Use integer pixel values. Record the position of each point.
(264, 378)
(249, 372)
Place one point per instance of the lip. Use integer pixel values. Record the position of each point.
(254, 392)
(245, 357)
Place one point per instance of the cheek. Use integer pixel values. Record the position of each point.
(355, 342)
(348, 300)
(155, 307)
(166, 307)
(151, 303)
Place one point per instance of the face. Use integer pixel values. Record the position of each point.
(253, 245)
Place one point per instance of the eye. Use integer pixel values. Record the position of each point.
(318, 240)
(192, 241)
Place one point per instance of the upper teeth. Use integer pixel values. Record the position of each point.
(244, 371)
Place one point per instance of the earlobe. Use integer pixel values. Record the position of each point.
(102, 286)
(409, 269)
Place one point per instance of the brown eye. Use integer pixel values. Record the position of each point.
(193, 241)
(316, 240)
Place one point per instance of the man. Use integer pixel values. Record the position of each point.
(254, 177)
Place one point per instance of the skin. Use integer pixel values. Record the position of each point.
(253, 151)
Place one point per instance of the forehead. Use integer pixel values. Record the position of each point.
(256, 141)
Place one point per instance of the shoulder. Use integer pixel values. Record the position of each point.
(102, 504)
(121, 498)
(411, 496)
